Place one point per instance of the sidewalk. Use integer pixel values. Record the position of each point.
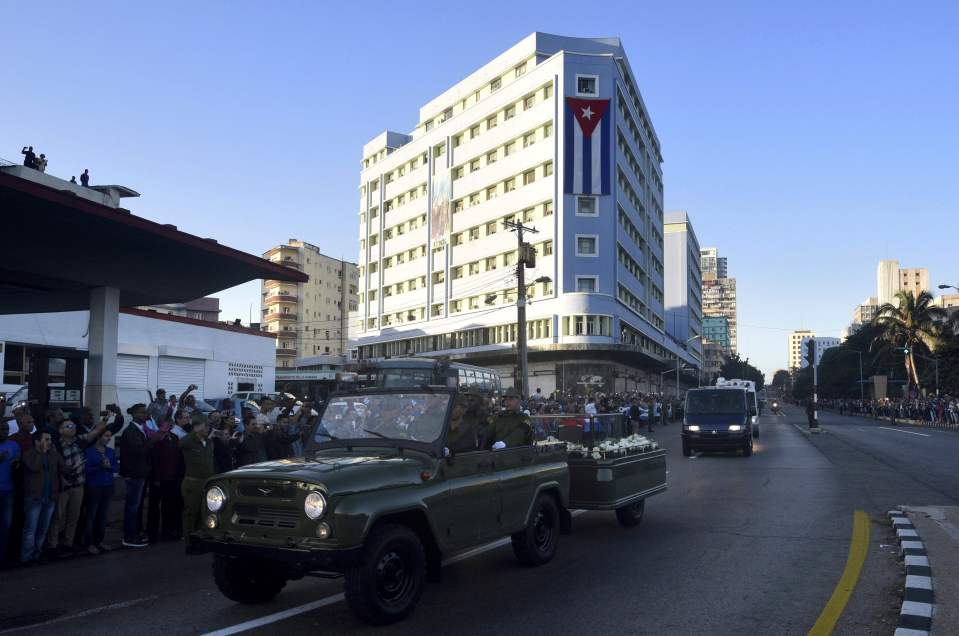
(939, 528)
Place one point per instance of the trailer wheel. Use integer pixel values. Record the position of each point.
(630, 516)
(536, 543)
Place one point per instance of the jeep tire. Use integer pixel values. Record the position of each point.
(389, 580)
(631, 514)
(687, 451)
(247, 580)
(536, 543)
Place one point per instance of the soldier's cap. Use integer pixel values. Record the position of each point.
(511, 392)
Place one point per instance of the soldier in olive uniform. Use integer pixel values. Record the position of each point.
(198, 459)
(511, 426)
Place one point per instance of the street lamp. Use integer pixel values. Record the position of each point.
(688, 340)
(949, 287)
(859, 353)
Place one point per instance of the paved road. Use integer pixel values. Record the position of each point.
(736, 545)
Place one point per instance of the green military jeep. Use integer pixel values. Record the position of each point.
(391, 482)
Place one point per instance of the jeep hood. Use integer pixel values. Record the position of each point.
(344, 473)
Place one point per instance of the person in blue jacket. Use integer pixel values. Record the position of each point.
(101, 466)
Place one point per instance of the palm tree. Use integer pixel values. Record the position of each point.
(912, 322)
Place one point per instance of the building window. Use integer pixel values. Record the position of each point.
(474, 132)
(587, 85)
(529, 177)
(474, 165)
(586, 206)
(548, 169)
(529, 139)
(495, 85)
(520, 70)
(491, 123)
(547, 91)
(474, 233)
(548, 208)
(586, 245)
(490, 193)
(491, 228)
(587, 284)
(509, 113)
(547, 248)
(548, 130)
(509, 185)
(490, 157)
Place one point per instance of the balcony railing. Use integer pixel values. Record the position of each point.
(285, 352)
(280, 298)
(277, 315)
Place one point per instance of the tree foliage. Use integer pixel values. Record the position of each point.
(780, 379)
(912, 322)
(738, 368)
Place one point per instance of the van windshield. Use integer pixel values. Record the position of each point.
(716, 401)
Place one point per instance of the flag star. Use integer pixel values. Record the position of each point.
(588, 113)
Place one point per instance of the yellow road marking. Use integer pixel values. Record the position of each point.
(827, 620)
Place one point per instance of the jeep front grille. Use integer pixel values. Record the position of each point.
(266, 516)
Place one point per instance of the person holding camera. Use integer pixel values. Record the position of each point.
(41, 485)
(101, 466)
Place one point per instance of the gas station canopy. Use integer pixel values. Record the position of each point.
(57, 247)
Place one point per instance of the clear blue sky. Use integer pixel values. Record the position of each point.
(806, 142)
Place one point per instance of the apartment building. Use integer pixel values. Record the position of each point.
(914, 279)
(822, 343)
(684, 283)
(553, 133)
(713, 265)
(309, 319)
(716, 330)
(796, 339)
(719, 299)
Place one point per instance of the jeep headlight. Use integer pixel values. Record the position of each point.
(692, 427)
(735, 427)
(315, 505)
(215, 498)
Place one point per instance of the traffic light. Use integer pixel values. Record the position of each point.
(811, 352)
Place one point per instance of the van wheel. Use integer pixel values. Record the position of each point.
(389, 581)
(536, 543)
(687, 451)
(247, 580)
(748, 447)
(631, 515)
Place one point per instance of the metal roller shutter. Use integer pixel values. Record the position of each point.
(176, 374)
(132, 371)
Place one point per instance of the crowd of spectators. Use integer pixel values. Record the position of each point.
(638, 409)
(57, 479)
(933, 410)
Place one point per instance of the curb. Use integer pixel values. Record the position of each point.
(918, 603)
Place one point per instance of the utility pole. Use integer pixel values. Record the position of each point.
(527, 258)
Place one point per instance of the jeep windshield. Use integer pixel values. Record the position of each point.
(715, 401)
(407, 417)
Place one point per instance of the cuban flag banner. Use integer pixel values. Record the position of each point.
(587, 158)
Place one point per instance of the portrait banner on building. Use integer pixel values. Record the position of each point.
(587, 159)
(441, 194)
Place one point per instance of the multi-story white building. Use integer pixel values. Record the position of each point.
(684, 283)
(887, 281)
(796, 339)
(713, 264)
(309, 319)
(552, 133)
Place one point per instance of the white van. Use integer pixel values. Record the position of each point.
(750, 387)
